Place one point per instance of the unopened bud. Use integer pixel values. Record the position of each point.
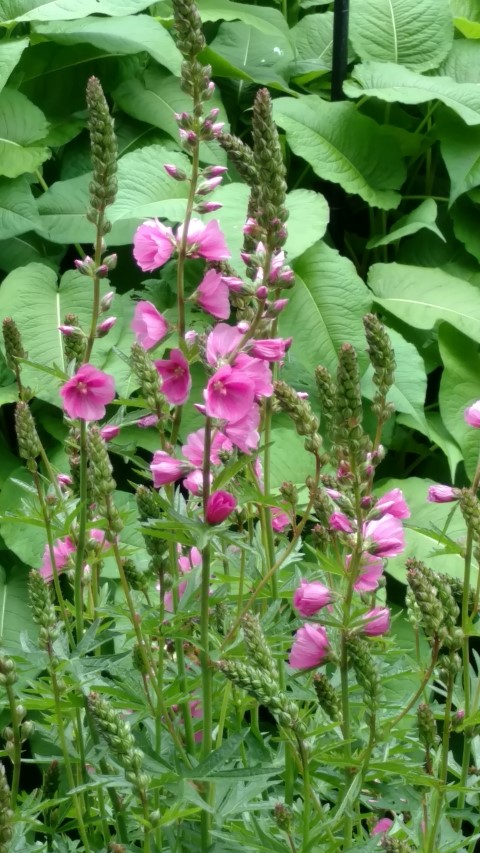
(262, 292)
(109, 432)
(208, 206)
(70, 331)
(102, 271)
(85, 266)
(106, 301)
(104, 327)
(110, 261)
(174, 172)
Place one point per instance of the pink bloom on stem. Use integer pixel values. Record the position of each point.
(219, 506)
(371, 571)
(229, 394)
(176, 379)
(222, 340)
(385, 536)
(205, 241)
(310, 647)
(244, 433)
(280, 520)
(472, 415)
(147, 421)
(193, 449)
(87, 393)
(270, 349)
(258, 371)
(149, 325)
(65, 480)
(394, 503)
(442, 494)
(310, 597)
(153, 245)
(339, 521)
(192, 561)
(62, 551)
(109, 431)
(194, 482)
(213, 295)
(377, 621)
(166, 469)
(382, 826)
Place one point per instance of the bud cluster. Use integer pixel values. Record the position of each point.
(43, 610)
(149, 379)
(6, 812)
(382, 359)
(118, 735)
(300, 412)
(435, 604)
(27, 436)
(103, 143)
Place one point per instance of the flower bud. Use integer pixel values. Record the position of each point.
(110, 261)
(207, 187)
(208, 206)
(261, 292)
(85, 266)
(104, 327)
(174, 172)
(106, 301)
(214, 171)
(109, 431)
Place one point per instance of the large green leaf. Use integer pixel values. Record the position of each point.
(18, 208)
(393, 83)
(268, 21)
(460, 147)
(246, 49)
(410, 386)
(10, 53)
(423, 297)
(156, 98)
(415, 33)
(15, 612)
(465, 217)
(424, 216)
(22, 126)
(463, 62)
(459, 388)
(144, 190)
(131, 34)
(63, 10)
(289, 459)
(325, 308)
(31, 295)
(28, 248)
(422, 531)
(313, 40)
(466, 15)
(343, 146)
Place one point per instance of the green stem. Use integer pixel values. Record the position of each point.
(17, 743)
(439, 794)
(115, 800)
(306, 792)
(207, 675)
(82, 533)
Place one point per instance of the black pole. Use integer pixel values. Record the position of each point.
(340, 47)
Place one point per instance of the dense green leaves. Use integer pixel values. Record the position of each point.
(343, 146)
(424, 216)
(10, 53)
(66, 10)
(246, 49)
(18, 209)
(22, 127)
(414, 33)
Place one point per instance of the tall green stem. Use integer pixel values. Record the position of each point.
(439, 794)
(207, 675)
(82, 532)
(96, 288)
(17, 742)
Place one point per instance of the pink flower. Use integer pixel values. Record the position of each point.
(194, 482)
(212, 295)
(219, 506)
(442, 494)
(385, 536)
(176, 377)
(472, 415)
(280, 520)
(205, 241)
(258, 371)
(166, 469)
(310, 647)
(229, 394)
(339, 521)
(271, 349)
(310, 597)
(62, 551)
(372, 569)
(192, 561)
(196, 711)
(383, 825)
(194, 448)
(147, 421)
(222, 341)
(394, 503)
(87, 393)
(109, 431)
(377, 621)
(153, 245)
(149, 325)
(244, 433)
(64, 480)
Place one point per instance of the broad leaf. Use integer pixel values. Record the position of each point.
(423, 297)
(393, 83)
(343, 146)
(422, 531)
(10, 53)
(18, 208)
(28, 248)
(63, 10)
(22, 126)
(15, 612)
(463, 62)
(131, 34)
(268, 21)
(424, 216)
(325, 308)
(466, 17)
(313, 40)
(465, 217)
(415, 33)
(460, 147)
(410, 387)
(459, 388)
(246, 49)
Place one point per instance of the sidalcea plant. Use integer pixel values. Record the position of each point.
(218, 654)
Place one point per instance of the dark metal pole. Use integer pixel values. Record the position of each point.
(340, 47)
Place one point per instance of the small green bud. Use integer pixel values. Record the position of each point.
(43, 611)
(327, 696)
(149, 379)
(283, 817)
(13, 343)
(427, 727)
(257, 645)
(27, 436)
(8, 671)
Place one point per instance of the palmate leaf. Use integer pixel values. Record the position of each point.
(66, 10)
(423, 297)
(394, 83)
(128, 35)
(344, 146)
(10, 53)
(22, 127)
(415, 33)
